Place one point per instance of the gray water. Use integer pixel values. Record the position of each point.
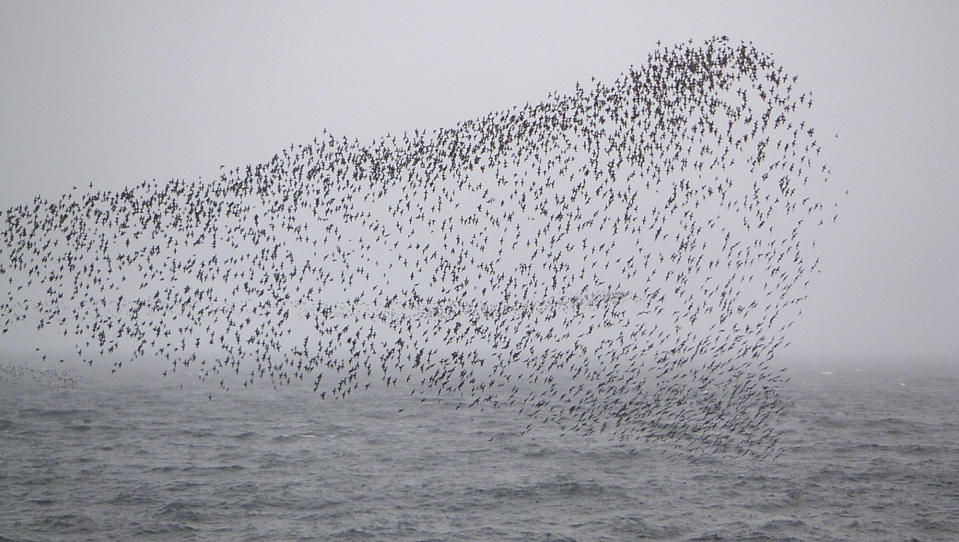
(870, 455)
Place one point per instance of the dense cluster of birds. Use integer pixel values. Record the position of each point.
(19, 373)
(622, 259)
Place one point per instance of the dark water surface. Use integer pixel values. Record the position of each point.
(870, 455)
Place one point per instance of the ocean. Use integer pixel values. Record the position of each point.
(866, 455)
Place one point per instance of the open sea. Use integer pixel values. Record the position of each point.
(867, 455)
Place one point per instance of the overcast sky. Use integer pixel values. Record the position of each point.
(118, 92)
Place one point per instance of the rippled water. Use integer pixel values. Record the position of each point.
(867, 455)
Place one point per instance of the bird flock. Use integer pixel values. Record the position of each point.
(46, 376)
(622, 259)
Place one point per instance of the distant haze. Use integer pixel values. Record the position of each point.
(117, 92)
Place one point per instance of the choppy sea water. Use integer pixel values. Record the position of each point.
(870, 455)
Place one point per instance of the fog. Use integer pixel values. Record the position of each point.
(114, 93)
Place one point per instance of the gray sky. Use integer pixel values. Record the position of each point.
(118, 92)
